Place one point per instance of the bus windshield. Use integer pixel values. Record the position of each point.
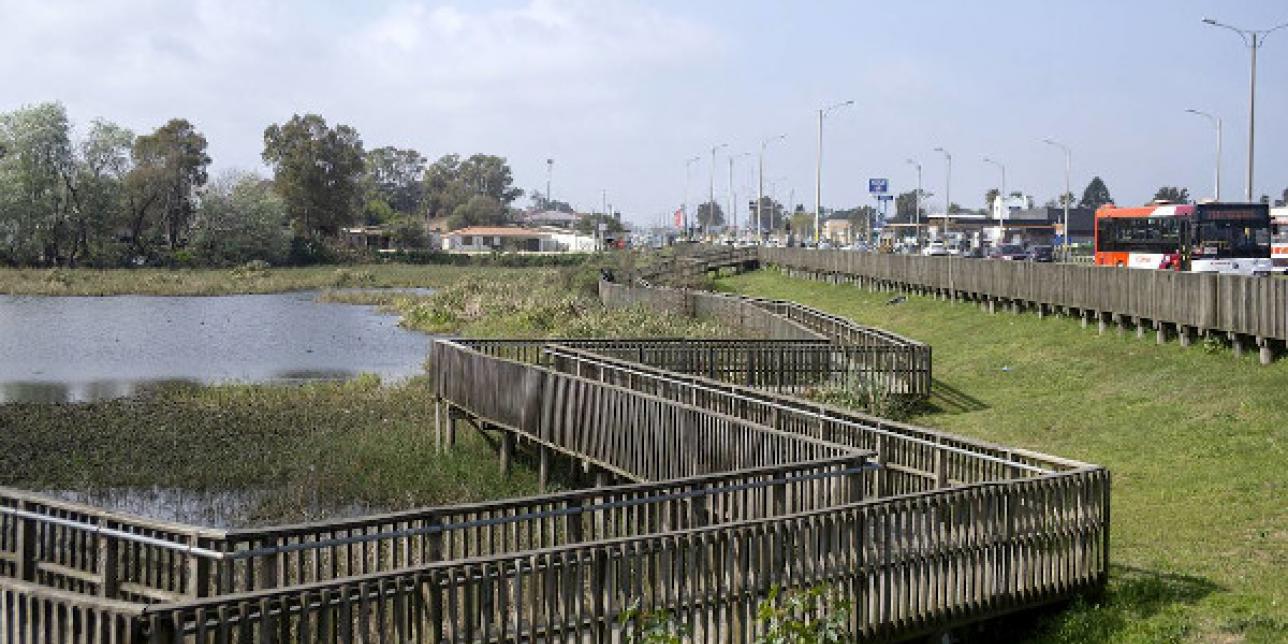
(1218, 236)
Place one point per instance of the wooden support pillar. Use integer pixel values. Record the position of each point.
(109, 554)
(992, 306)
(1041, 311)
(543, 467)
(1265, 353)
(1236, 343)
(1101, 324)
(1121, 321)
(26, 546)
(198, 571)
(452, 418)
(1160, 332)
(1082, 318)
(1185, 335)
(507, 451)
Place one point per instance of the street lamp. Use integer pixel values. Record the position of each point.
(917, 204)
(948, 190)
(1001, 226)
(711, 203)
(818, 167)
(550, 171)
(1253, 38)
(1216, 121)
(1067, 196)
(760, 190)
(733, 205)
(688, 163)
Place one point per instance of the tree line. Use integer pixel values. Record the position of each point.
(116, 198)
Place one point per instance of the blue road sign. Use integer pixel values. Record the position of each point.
(885, 197)
(878, 186)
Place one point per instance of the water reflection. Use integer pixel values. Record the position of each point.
(71, 349)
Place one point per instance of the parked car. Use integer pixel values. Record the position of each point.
(1041, 254)
(1009, 252)
(935, 249)
(975, 252)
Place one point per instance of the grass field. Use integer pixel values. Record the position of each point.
(215, 281)
(1196, 440)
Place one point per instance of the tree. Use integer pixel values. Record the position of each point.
(771, 212)
(906, 203)
(541, 202)
(1096, 194)
(174, 163)
(241, 218)
(589, 224)
(317, 170)
(34, 204)
(990, 197)
(97, 190)
(1283, 201)
(1172, 193)
(710, 215)
(1060, 201)
(801, 224)
(480, 210)
(450, 183)
(408, 231)
(395, 177)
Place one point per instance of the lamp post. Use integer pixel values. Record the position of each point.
(684, 206)
(1066, 197)
(818, 167)
(733, 205)
(948, 190)
(1001, 227)
(711, 203)
(760, 190)
(1216, 121)
(1253, 39)
(917, 204)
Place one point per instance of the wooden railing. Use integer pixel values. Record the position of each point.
(734, 488)
(1246, 309)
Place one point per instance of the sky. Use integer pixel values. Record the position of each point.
(621, 93)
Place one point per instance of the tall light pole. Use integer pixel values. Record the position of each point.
(948, 190)
(917, 204)
(818, 167)
(760, 190)
(684, 206)
(733, 205)
(1253, 38)
(550, 171)
(1001, 226)
(711, 204)
(1067, 196)
(1216, 121)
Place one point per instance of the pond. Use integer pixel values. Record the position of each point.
(73, 349)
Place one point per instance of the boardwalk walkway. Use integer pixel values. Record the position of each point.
(716, 484)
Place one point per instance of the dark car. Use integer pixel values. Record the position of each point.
(974, 252)
(1041, 254)
(1009, 252)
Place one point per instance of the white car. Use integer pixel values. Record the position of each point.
(935, 249)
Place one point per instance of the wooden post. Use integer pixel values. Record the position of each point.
(108, 556)
(543, 467)
(1266, 352)
(1236, 343)
(198, 569)
(1140, 328)
(26, 546)
(507, 451)
(1185, 334)
(1160, 332)
(1101, 324)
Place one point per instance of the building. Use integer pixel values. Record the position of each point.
(838, 231)
(487, 239)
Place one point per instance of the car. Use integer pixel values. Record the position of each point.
(935, 249)
(975, 252)
(1041, 253)
(1009, 252)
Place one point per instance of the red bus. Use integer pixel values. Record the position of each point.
(1204, 238)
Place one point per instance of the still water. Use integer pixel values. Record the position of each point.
(71, 349)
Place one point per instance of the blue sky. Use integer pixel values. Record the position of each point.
(621, 93)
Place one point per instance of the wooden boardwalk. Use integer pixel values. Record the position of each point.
(715, 483)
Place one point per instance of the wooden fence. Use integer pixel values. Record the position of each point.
(1244, 309)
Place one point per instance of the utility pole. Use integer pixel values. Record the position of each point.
(1001, 225)
(733, 204)
(684, 206)
(818, 168)
(1253, 39)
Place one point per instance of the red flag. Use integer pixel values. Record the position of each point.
(679, 217)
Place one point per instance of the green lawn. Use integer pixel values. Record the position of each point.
(1196, 440)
